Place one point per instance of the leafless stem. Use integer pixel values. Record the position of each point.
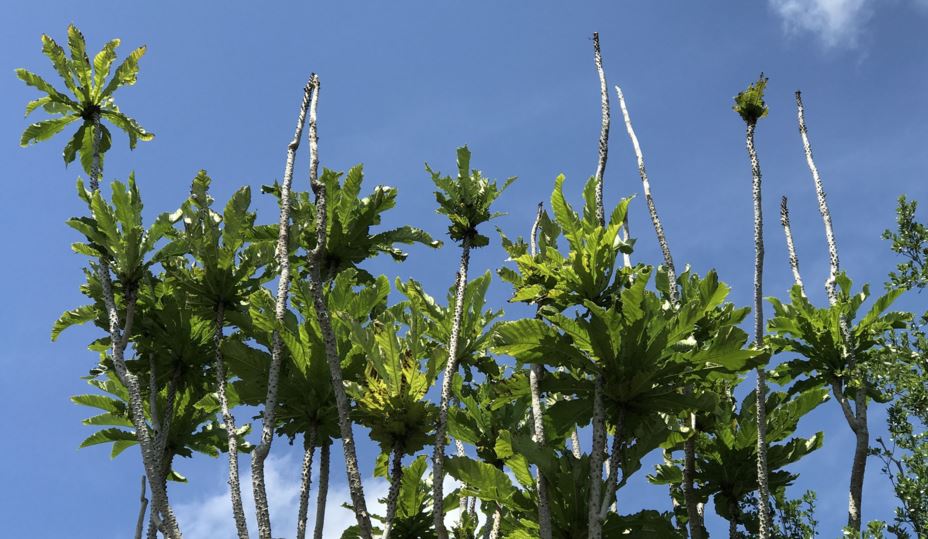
(317, 257)
(282, 254)
(324, 458)
(396, 478)
(451, 367)
(787, 231)
(604, 129)
(143, 506)
(309, 446)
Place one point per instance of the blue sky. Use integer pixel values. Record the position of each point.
(408, 82)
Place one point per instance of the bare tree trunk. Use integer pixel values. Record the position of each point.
(235, 489)
(689, 446)
(575, 444)
(465, 500)
(497, 521)
(763, 506)
(324, 458)
(790, 247)
(859, 423)
(396, 478)
(282, 254)
(438, 456)
(536, 372)
(733, 523)
(594, 524)
(309, 446)
(603, 131)
(119, 338)
(612, 475)
(317, 257)
(143, 505)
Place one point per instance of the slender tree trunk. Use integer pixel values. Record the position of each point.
(859, 424)
(790, 247)
(154, 522)
(575, 444)
(119, 338)
(235, 489)
(143, 506)
(594, 524)
(451, 367)
(612, 476)
(324, 458)
(763, 505)
(282, 255)
(317, 259)
(464, 499)
(536, 372)
(497, 521)
(396, 479)
(733, 523)
(309, 446)
(603, 130)
(689, 446)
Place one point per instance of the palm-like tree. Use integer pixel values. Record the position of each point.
(466, 201)
(88, 98)
(223, 276)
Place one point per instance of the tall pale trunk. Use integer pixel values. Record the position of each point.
(694, 519)
(396, 479)
(451, 367)
(790, 247)
(598, 421)
(309, 446)
(282, 254)
(857, 420)
(228, 421)
(119, 338)
(612, 474)
(763, 505)
(536, 372)
(324, 457)
(317, 257)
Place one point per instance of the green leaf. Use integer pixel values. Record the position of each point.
(80, 315)
(101, 65)
(126, 74)
(80, 62)
(45, 129)
(108, 435)
(488, 482)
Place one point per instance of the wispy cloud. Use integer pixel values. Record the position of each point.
(836, 23)
(210, 517)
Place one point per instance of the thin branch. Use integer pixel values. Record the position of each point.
(317, 257)
(143, 505)
(603, 131)
(324, 458)
(787, 231)
(282, 254)
(309, 446)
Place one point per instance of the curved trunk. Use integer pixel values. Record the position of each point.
(235, 489)
(858, 420)
(143, 505)
(309, 446)
(438, 456)
(324, 457)
(119, 338)
(355, 486)
(536, 372)
(396, 478)
(282, 254)
(763, 506)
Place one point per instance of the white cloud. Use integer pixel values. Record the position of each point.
(210, 517)
(834, 22)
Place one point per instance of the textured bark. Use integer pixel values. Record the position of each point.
(649, 199)
(309, 446)
(119, 338)
(228, 420)
(763, 505)
(790, 247)
(603, 130)
(859, 424)
(733, 523)
(143, 506)
(594, 524)
(355, 486)
(535, 375)
(396, 478)
(324, 457)
(612, 475)
(497, 521)
(282, 254)
(451, 367)
(693, 520)
(465, 500)
(575, 444)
